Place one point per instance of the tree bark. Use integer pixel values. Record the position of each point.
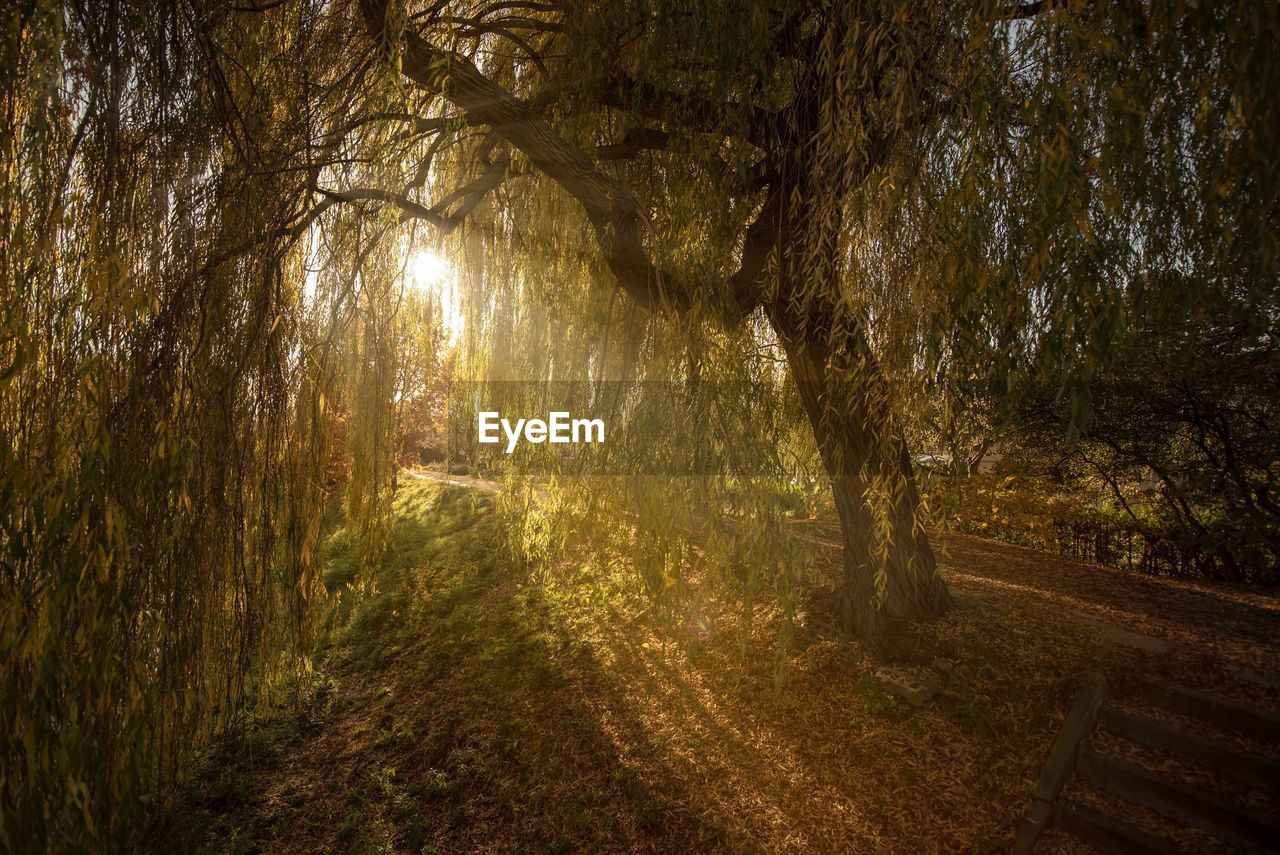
(889, 566)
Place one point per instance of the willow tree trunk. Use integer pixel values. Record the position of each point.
(889, 567)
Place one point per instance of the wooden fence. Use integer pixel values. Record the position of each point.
(1131, 548)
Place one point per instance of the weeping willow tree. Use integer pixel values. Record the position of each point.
(901, 192)
(204, 208)
(163, 397)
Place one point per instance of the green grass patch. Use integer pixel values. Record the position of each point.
(443, 614)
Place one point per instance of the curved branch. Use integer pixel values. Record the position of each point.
(375, 194)
(613, 211)
(609, 205)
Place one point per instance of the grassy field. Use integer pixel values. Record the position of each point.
(463, 706)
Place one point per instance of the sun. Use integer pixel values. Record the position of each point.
(427, 269)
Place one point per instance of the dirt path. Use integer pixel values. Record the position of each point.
(1213, 631)
(457, 480)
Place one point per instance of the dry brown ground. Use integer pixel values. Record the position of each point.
(495, 716)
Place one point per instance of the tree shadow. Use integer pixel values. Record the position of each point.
(459, 717)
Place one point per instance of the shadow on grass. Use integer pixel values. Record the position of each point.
(453, 713)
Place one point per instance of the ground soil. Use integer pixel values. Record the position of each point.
(482, 710)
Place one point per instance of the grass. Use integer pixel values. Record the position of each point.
(439, 684)
(463, 706)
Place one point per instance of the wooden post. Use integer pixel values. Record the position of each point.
(1062, 761)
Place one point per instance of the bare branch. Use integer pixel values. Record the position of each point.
(376, 194)
(473, 193)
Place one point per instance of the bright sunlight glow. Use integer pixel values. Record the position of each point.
(428, 271)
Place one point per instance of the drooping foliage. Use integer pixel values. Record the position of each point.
(995, 196)
(163, 402)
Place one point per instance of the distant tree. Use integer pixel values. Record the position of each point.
(1186, 413)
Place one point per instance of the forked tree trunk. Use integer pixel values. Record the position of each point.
(846, 399)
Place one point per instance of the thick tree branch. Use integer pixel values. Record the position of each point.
(760, 241)
(610, 206)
